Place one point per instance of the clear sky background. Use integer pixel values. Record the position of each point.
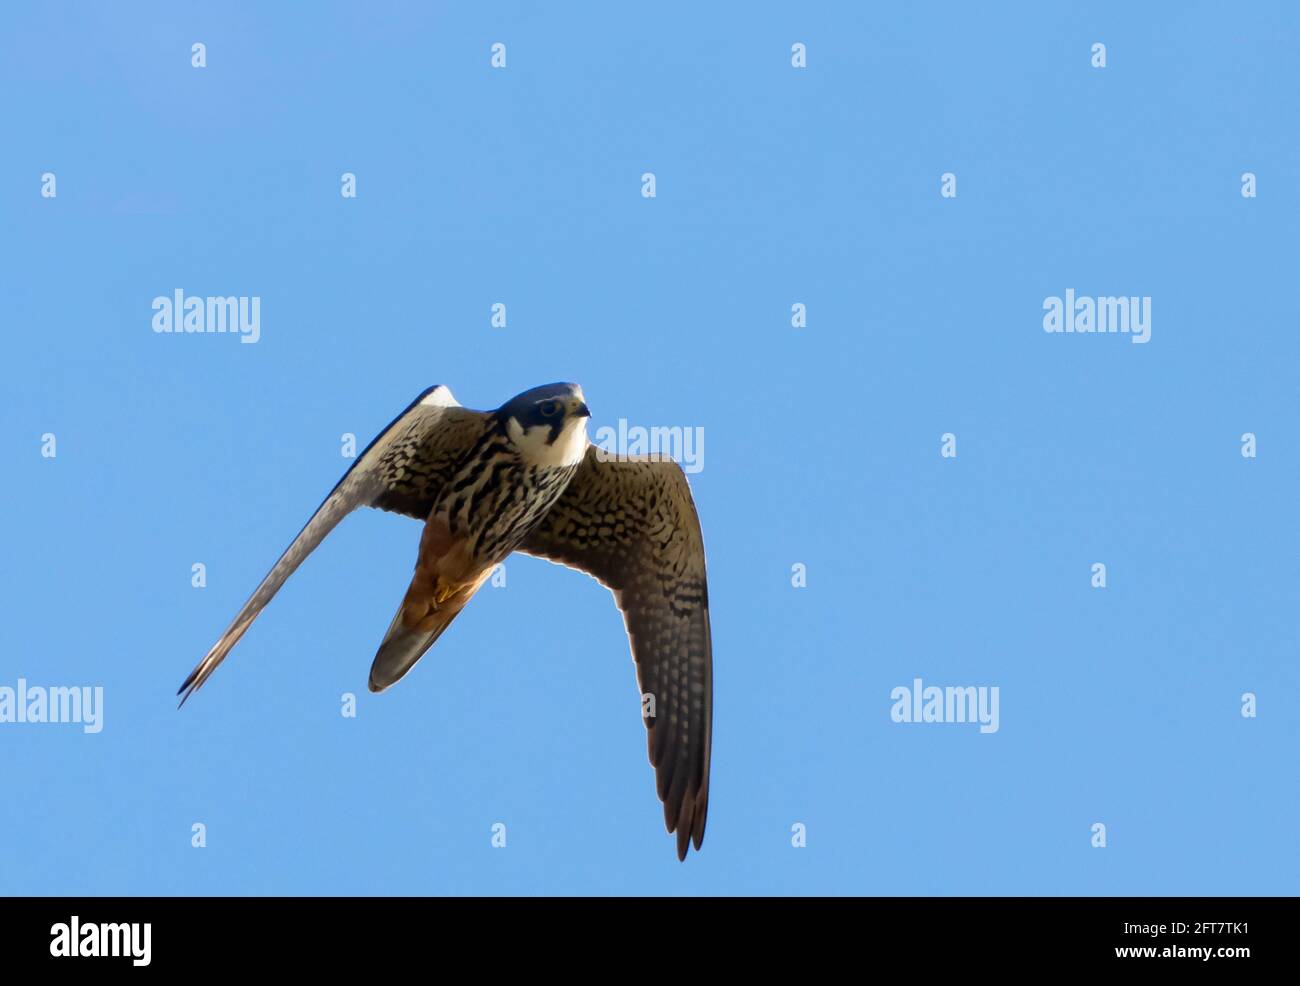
(775, 185)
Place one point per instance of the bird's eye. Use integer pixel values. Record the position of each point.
(550, 409)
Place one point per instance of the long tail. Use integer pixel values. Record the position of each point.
(418, 623)
(402, 647)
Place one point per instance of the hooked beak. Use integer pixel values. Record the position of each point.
(578, 409)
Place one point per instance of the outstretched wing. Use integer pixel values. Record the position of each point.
(402, 470)
(632, 524)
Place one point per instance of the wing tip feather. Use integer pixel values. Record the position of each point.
(690, 825)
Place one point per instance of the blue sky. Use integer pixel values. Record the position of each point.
(774, 186)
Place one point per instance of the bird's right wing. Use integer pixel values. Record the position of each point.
(402, 470)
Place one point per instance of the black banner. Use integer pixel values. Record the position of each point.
(142, 936)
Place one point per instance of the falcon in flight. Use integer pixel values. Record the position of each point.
(525, 478)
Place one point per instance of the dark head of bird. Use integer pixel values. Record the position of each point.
(548, 423)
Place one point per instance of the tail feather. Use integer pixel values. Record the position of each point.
(404, 643)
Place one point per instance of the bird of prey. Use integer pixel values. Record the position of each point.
(525, 478)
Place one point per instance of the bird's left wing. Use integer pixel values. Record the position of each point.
(632, 524)
(402, 470)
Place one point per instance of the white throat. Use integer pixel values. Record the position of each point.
(569, 447)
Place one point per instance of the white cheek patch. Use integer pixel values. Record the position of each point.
(569, 447)
(573, 441)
